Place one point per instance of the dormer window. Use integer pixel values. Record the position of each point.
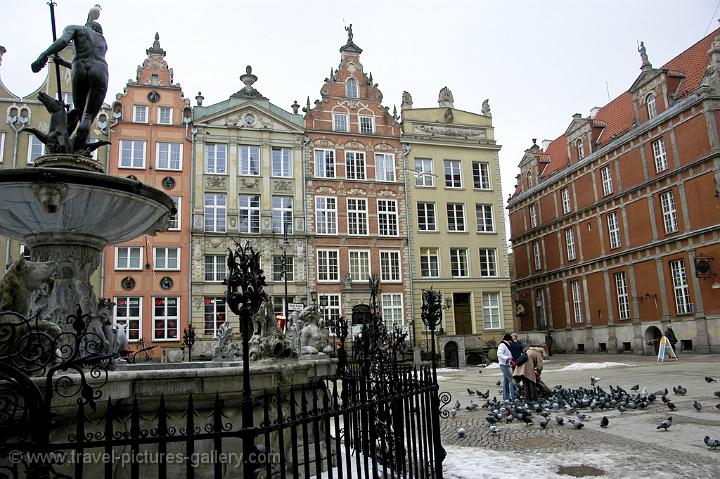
(154, 79)
(651, 108)
(580, 150)
(351, 88)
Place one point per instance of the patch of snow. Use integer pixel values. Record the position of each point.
(585, 366)
(492, 366)
(448, 370)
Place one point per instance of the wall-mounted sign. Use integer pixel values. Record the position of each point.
(168, 183)
(153, 97)
(520, 308)
(166, 282)
(127, 283)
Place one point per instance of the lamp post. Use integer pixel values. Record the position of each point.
(431, 314)
(189, 339)
(285, 244)
(244, 296)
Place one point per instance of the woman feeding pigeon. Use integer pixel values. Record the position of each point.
(529, 371)
(505, 358)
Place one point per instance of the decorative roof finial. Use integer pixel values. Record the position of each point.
(295, 107)
(199, 98)
(155, 49)
(2, 52)
(445, 98)
(646, 65)
(350, 45)
(486, 108)
(407, 101)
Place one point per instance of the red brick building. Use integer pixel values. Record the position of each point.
(615, 225)
(356, 196)
(149, 277)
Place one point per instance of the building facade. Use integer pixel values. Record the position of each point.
(148, 278)
(249, 181)
(19, 149)
(615, 225)
(455, 217)
(356, 197)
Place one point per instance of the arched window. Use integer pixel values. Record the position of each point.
(651, 109)
(530, 182)
(351, 87)
(580, 150)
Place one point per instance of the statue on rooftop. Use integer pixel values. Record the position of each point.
(350, 33)
(89, 75)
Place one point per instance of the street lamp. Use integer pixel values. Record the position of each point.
(285, 244)
(189, 340)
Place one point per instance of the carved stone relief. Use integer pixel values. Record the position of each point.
(356, 191)
(215, 181)
(449, 131)
(325, 190)
(198, 303)
(248, 183)
(383, 147)
(282, 185)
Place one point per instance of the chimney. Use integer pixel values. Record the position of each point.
(545, 144)
(594, 111)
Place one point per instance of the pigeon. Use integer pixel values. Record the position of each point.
(621, 408)
(711, 442)
(560, 420)
(717, 406)
(604, 422)
(710, 380)
(717, 393)
(671, 406)
(594, 380)
(577, 423)
(461, 433)
(497, 383)
(485, 395)
(635, 388)
(543, 423)
(457, 404)
(665, 424)
(697, 406)
(582, 417)
(470, 391)
(527, 420)
(472, 406)
(491, 420)
(453, 412)
(680, 390)
(494, 429)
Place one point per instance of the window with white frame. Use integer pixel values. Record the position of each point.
(651, 106)
(491, 310)
(132, 154)
(165, 115)
(282, 162)
(215, 212)
(429, 263)
(283, 266)
(128, 257)
(565, 198)
(532, 210)
(167, 258)
(576, 301)
(367, 124)
(355, 165)
(36, 149)
(392, 310)
(660, 155)
(169, 156)
(607, 182)
(166, 315)
(93, 154)
(140, 113)
(67, 98)
(488, 263)
(216, 158)
(387, 217)
(570, 244)
(215, 268)
(384, 167)
(580, 149)
(456, 216)
(681, 289)
(214, 314)
(541, 311)
(249, 160)
(481, 175)
(613, 230)
(357, 216)
(2, 146)
(390, 266)
(359, 265)
(326, 215)
(459, 263)
(424, 176)
(25, 252)
(128, 312)
(453, 174)
(249, 213)
(536, 255)
(278, 303)
(325, 163)
(426, 216)
(484, 216)
(282, 214)
(340, 122)
(622, 295)
(351, 88)
(176, 219)
(328, 265)
(667, 201)
(331, 311)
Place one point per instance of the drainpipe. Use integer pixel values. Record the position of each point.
(306, 141)
(411, 263)
(190, 206)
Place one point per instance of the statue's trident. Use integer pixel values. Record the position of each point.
(52, 4)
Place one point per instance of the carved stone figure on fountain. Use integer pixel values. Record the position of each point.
(267, 341)
(226, 349)
(313, 338)
(89, 79)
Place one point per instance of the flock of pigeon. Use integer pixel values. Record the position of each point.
(565, 404)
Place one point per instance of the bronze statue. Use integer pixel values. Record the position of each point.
(89, 75)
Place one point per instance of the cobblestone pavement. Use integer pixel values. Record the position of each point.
(630, 447)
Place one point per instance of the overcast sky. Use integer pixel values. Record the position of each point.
(537, 61)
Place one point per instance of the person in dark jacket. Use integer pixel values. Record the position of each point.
(516, 347)
(670, 334)
(549, 343)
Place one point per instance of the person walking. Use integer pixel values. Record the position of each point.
(516, 347)
(529, 372)
(670, 334)
(549, 343)
(504, 359)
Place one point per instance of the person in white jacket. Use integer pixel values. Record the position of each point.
(504, 358)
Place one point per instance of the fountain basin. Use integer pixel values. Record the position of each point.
(43, 202)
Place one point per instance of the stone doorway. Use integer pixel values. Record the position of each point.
(652, 338)
(462, 313)
(451, 355)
